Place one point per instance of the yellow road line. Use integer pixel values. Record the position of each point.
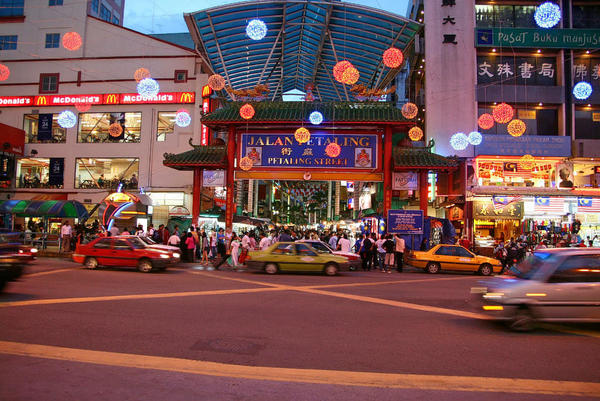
(335, 377)
(48, 272)
(570, 330)
(424, 280)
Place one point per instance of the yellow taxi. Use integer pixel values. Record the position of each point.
(453, 257)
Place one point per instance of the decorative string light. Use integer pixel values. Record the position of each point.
(247, 111)
(246, 163)
(67, 119)
(183, 118)
(302, 135)
(216, 82)
(72, 41)
(115, 130)
(4, 72)
(503, 113)
(256, 29)
(459, 141)
(485, 121)
(547, 15)
(582, 90)
(350, 76)
(140, 74)
(415, 133)
(410, 110)
(475, 138)
(516, 127)
(83, 107)
(527, 162)
(148, 87)
(393, 57)
(316, 118)
(333, 149)
(339, 68)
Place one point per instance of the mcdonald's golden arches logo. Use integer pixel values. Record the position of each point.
(41, 101)
(186, 97)
(111, 99)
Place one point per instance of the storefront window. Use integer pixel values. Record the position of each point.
(514, 173)
(43, 128)
(40, 172)
(106, 173)
(586, 16)
(488, 16)
(166, 124)
(539, 121)
(94, 127)
(587, 123)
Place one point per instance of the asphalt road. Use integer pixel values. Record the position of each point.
(68, 333)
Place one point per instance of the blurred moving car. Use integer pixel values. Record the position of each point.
(354, 261)
(453, 257)
(295, 257)
(124, 251)
(13, 258)
(549, 285)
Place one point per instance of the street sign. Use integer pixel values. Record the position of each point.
(405, 222)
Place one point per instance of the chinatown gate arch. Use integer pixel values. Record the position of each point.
(363, 131)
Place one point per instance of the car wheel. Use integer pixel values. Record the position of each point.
(91, 263)
(486, 269)
(432, 268)
(523, 320)
(271, 268)
(330, 269)
(145, 266)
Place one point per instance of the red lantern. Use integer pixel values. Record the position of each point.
(141, 73)
(216, 82)
(350, 76)
(393, 57)
(503, 113)
(4, 72)
(485, 121)
(115, 130)
(516, 127)
(339, 68)
(333, 149)
(83, 107)
(415, 133)
(410, 110)
(302, 135)
(247, 111)
(246, 163)
(72, 41)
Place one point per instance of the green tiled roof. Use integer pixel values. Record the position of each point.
(208, 156)
(333, 112)
(421, 157)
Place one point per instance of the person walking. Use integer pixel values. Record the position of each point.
(388, 245)
(365, 253)
(264, 242)
(66, 231)
(377, 251)
(204, 244)
(344, 243)
(190, 246)
(235, 249)
(399, 247)
(196, 234)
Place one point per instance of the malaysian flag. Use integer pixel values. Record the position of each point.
(547, 204)
(502, 201)
(588, 205)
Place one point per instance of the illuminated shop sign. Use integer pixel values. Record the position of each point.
(98, 99)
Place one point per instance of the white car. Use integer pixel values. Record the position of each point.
(561, 284)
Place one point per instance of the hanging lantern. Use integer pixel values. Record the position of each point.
(115, 130)
(183, 118)
(141, 73)
(339, 68)
(316, 118)
(246, 163)
(503, 113)
(393, 57)
(4, 72)
(516, 127)
(216, 82)
(256, 29)
(350, 76)
(485, 121)
(302, 135)
(410, 110)
(148, 87)
(72, 41)
(527, 162)
(83, 107)
(247, 111)
(333, 149)
(459, 141)
(67, 119)
(547, 15)
(415, 133)
(475, 138)
(582, 90)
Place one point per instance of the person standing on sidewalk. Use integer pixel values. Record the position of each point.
(400, 245)
(388, 245)
(65, 236)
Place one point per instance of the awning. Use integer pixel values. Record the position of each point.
(41, 208)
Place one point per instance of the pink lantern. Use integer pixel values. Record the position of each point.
(72, 41)
(4, 72)
(393, 57)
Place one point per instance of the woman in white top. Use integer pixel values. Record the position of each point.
(235, 249)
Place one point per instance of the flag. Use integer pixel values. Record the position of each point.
(502, 201)
(547, 204)
(588, 205)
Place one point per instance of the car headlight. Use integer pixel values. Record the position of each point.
(33, 250)
(164, 256)
(176, 255)
(493, 295)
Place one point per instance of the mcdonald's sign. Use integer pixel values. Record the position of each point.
(41, 101)
(111, 98)
(188, 97)
(206, 91)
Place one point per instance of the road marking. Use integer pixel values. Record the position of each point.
(424, 280)
(316, 376)
(570, 330)
(48, 272)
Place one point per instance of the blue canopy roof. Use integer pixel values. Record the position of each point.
(305, 39)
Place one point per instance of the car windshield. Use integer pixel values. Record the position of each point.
(147, 240)
(137, 243)
(532, 264)
(320, 247)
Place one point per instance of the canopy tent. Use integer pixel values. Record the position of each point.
(42, 208)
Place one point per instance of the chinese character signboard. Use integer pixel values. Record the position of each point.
(405, 222)
(538, 38)
(283, 151)
(516, 70)
(484, 210)
(587, 69)
(535, 145)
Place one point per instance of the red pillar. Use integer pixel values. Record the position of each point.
(423, 196)
(196, 194)
(387, 170)
(230, 169)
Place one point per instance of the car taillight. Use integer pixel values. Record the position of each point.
(248, 257)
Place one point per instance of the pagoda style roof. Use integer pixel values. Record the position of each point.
(199, 156)
(409, 158)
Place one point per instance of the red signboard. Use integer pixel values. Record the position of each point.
(16, 101)
(98, 99)
(206, 91)
(12, 140)
(205, 133)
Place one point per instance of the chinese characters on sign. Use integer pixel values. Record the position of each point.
(587, 69)
(484, 210)
(449, 38)
(516, 70)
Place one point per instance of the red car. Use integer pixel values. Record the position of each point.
(125, 251)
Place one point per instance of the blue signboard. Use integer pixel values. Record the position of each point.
(534, 145)
(284, 151)
(405, 222)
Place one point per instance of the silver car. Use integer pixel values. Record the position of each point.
(549, 285)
